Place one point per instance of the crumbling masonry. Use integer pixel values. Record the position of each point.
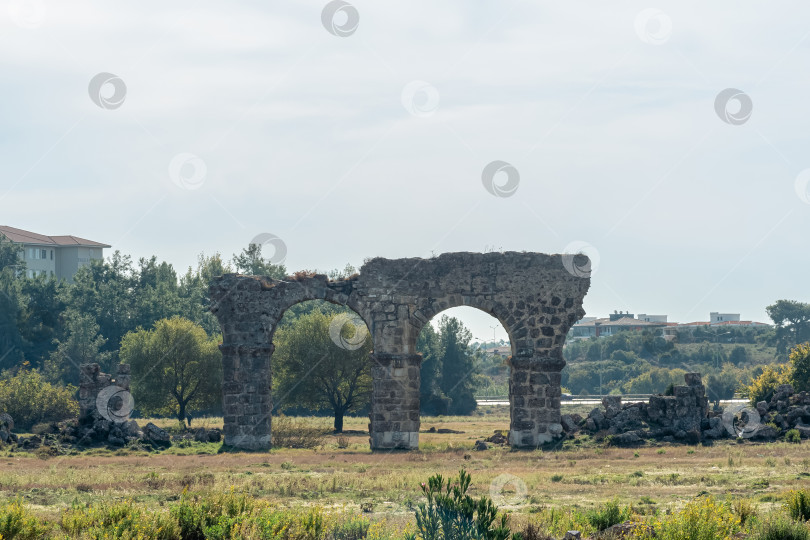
(536, 297)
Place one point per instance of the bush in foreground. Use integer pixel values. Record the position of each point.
(701, 519)
(781, 528)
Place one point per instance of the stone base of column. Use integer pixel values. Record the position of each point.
(534, 401)
(394, 401)
(247, 401)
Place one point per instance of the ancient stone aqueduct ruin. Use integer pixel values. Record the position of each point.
(536, 297)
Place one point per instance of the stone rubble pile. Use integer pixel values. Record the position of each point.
(104, 409)
(686, 417)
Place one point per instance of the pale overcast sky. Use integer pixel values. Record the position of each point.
(235, 119)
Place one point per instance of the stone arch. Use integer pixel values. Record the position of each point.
(433, 308)
(535, 296)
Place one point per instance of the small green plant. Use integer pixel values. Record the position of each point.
(450, 513)
(661, 451)
(607, 516)
(635, 454)
(350, 528)
(637, 474)
(798, 505)
(781, 528)
(793, 436)
(556, 477)
(770, 462)
(743, 509)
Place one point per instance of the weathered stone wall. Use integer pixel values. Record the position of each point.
(92, 380)
(533, 295)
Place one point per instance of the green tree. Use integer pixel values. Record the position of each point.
(792, 320)
(80, 344)
(176, 368)
(433, 400)
(457, 366)
(800, 367)
(315, 372)
(251, 262)
(723, 384)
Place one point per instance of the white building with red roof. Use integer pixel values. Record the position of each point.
(59, 257)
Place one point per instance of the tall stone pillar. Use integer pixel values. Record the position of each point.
(534, 399)
(247, 401)
(394, 401)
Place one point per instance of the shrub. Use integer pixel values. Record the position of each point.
(289, 432)
(701, 519)
(556, 477)
(764, 386)
(800, 367)
(451, 514)
(781, 528)
(30, 399)
(350, 528)
(798, 505)
(793, 436)
(607, 516)
(744, 510)
(17, 523)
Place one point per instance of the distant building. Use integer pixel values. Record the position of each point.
(59, 257)
(715, 317)
(652, 318)
(611, 325)
(501, 351)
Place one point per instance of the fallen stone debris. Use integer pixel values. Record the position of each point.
(686, 417)
(104, 407)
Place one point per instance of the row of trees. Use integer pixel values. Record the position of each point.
(157, 321)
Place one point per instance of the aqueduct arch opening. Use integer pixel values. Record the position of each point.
(535, 296)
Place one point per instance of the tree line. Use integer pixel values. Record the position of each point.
(147, 315)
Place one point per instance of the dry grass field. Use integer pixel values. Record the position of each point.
(386, 485)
